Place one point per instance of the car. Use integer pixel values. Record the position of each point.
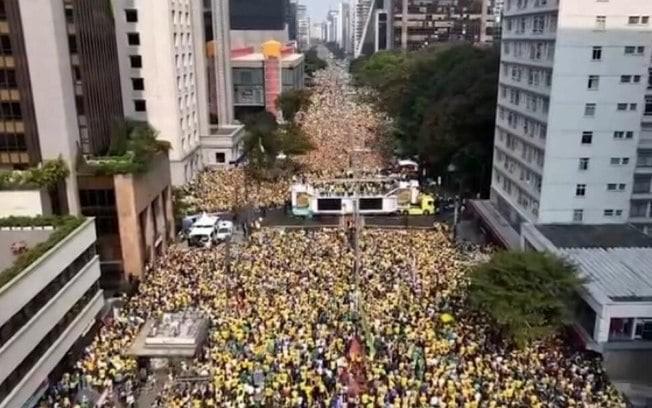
(224, 230)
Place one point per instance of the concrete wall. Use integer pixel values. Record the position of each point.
(144, 194)
(46, 44)
(26, 203)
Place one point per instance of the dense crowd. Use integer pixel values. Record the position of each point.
(342, 129)
(292, 325)
(355, 187)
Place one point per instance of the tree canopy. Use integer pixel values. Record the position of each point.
(443, 102)
(312, 62)
(529, 294)
(293, 101)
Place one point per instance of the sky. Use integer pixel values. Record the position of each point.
(317, 9)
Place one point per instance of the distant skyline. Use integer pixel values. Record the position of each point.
(317, 9)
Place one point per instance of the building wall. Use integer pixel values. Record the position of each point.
(549, 143)
(25, 203)
(96, 62)
(248, 38)
(170, 35)
(46, 45)
(55, 320)
(145, 214)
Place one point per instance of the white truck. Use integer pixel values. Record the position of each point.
(204, 232)
(224, 230)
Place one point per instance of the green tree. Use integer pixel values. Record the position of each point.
(443, 102)
(261, 143)
(293, 101)
(293, 140)
(312, 62)
(529, 294)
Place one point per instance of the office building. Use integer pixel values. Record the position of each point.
(222, 145)
(46, 307)
(58, 74)
(574, 117)
(333, 23)
(373, 26)
(303, 27)
(163, 75)
(419, 23)
(291, 21)
(260, 76)
(344, 35)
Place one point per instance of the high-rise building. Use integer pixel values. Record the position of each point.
(333, 24)
(344, 35)
(291, 21)
(373, 26)
(163, 72)
(58, 73)
(303, 27)
(420, 23)
(574, 117)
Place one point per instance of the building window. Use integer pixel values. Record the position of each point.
(220, 157)
(625, 79)
(136, 61)
(5, 44)
(616, 187)
(648, 105)
(133, 39)
(578, 215)
(131, 15)
(594, 82)
(634, 20)
(589, 109)
(597, 54)
(621, 107)
(608, 213)
(72, 44)
(140, 105)
(580, 190)
(138, 84)
(634, 50)
(587, 137)
(600, 22)
(584, 163)
(633, 106)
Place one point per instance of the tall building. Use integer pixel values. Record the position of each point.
(303, 27)
(419, 23)
(58, 75)
(163, 75)
(333, 24)
(574, 117)
(344, 35)
(373, 26)
(291, 20)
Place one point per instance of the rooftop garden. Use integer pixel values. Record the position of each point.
(46, 175)
(133, 146)
(63, 226)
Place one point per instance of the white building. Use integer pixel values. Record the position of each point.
(303, 27)
(374, 29)
(344, 35)
(163, 74)
(333, 24)
(574, 113)
(45, 309)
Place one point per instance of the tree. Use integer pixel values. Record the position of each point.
(312, 62)
(529, 294)
(292, 101)
(261, 142)
(293, 140)
(443, 102)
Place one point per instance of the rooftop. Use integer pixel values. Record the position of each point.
(621, 274)
(595, 236)
(172, 335)
(31, 238)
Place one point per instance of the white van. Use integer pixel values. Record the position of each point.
(204, 232)
(224, 230)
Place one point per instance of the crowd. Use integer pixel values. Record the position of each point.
(292, 325)
(342, 129)
(355, 187)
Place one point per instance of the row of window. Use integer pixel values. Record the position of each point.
(533, 50)
(529, 153)
(535, 76)
(27, 312)
(523, 199)
(578, 214)
(45, 344)
(591, 108)
(587, 136)
(533, 102)
(537, 24)
(580, 189)
(614, 161)
(515, 120)
(632, 50)
(593, 81)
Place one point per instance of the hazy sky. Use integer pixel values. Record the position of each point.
(317, 9)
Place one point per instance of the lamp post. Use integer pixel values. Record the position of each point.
(452, 169)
